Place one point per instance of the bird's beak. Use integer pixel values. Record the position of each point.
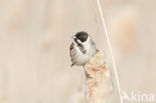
(73, 37)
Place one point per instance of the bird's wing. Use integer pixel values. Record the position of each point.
(71, 46)
(72, 53)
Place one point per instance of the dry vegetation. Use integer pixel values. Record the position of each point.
(99, 85)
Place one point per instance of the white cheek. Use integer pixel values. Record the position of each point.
(79, 41)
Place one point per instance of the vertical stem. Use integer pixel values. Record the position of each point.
(110, 49)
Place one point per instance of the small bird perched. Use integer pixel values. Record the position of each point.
(82, 48)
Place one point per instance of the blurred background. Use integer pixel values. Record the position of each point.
(34, 47)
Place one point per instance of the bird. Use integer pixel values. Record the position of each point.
(82, 48)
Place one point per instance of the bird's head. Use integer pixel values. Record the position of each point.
(81, 37)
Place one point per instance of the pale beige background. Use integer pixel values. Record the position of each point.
(35, 36)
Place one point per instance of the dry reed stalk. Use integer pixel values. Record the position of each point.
(99, 85)
(110, 49)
